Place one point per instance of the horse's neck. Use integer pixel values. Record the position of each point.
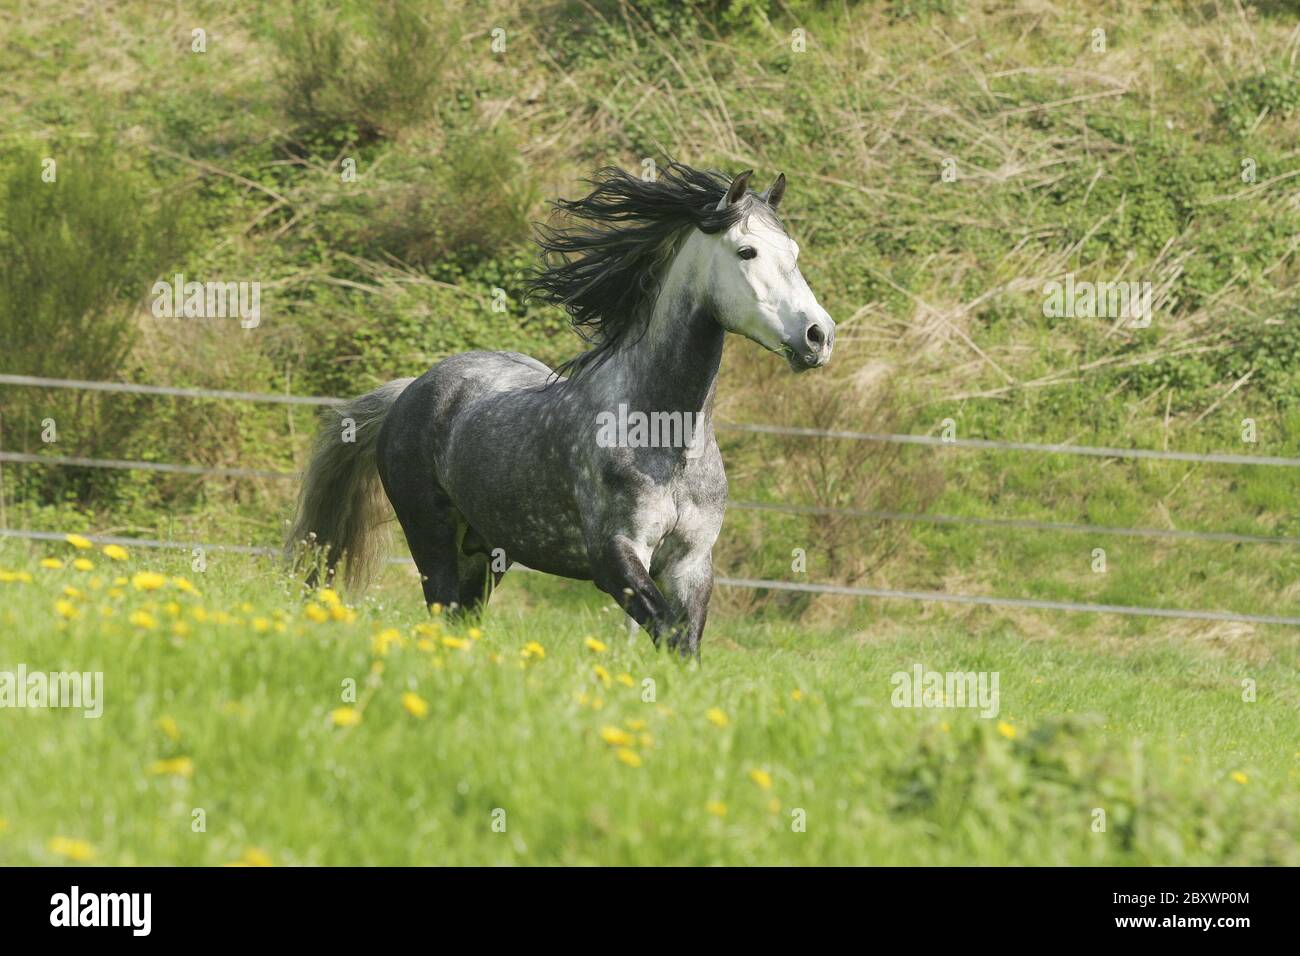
(674, 366)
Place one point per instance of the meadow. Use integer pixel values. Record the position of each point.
(242, 725)
(946, 159)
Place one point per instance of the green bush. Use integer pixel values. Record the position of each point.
(442, 213)
(1277, 91)
(80, 254)
(364, 71)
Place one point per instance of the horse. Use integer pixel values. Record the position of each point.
(605, 469)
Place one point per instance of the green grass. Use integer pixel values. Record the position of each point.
(1154, 732)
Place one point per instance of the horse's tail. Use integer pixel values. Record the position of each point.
(342, 504)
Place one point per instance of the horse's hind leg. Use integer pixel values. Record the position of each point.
(477, 581)
(429, 523)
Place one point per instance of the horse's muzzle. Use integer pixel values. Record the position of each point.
(812, 349)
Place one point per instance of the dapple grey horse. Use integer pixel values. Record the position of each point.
(606, 469)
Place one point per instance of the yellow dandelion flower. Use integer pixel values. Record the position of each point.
(199, 614)
(717, 716)
(474, 633)
(171, 730)
(455, 643)
(67, 610)
(79, 542)
(1006, 730)
(615, 737)
(415, 705)
(636, 723)
(646, 741)
(533, 649)
(78, 850)
(629, 757)
(173, 767)
(435, 608)
(83, 564)
(626, 680)
(315, 612)
(426, 645)
(716, 807)
(602, 675)
(143, 620)
(261, 625)
(253, 857)
(71, 592)
(148, 580)
(341, 612)
(595, 646)
(1240, 777)
(385, 640)
(796, 694)
(180, 629)
(345, 716)
(329, 597)
(762, 778)
(120, 582)
(115, 552)
(183, 584)
(54, 564)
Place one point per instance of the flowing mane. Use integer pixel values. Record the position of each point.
(603, 266)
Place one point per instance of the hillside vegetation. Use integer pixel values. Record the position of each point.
(946, 159)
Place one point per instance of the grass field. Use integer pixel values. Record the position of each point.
(1109, 140)
(525, 742)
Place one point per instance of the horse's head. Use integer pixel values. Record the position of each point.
(755, 287)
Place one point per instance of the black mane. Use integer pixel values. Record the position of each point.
(603, 267)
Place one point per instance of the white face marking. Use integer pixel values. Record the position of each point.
(756, 288)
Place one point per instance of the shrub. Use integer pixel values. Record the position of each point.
(359, 73)
(80, 253)
(468, 204)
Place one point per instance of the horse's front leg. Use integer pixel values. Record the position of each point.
(620, 570)
(688, 585)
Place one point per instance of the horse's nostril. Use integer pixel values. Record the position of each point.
(816, 335)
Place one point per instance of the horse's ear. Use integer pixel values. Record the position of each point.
(737, 189)
(775, 191)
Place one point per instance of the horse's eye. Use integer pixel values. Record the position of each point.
(747, 252)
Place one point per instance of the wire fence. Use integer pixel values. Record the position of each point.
(775, 507)
(1155, 454)
(762, 584)
(1020, 524)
